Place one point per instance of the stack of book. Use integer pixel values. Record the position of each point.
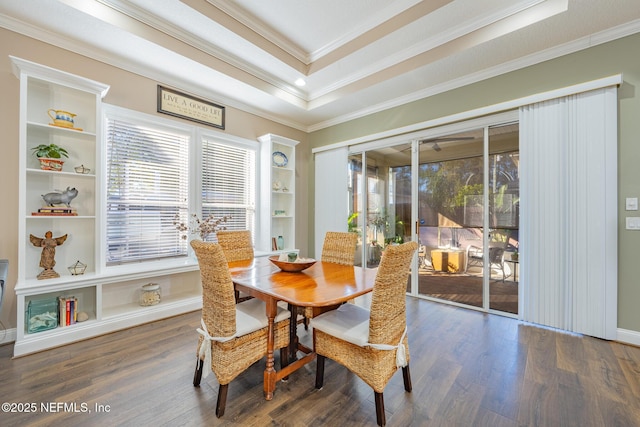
(56, 211)
(68, 311)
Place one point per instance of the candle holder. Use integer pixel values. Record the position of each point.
(81, 169)
(77, 269)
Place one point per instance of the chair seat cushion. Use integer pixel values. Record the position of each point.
(349, 323)
(251, 316)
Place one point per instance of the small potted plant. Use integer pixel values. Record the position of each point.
(50, 156)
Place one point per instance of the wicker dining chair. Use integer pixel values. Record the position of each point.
(233, 336)
(371, 343)
(237, 246)
(340, 248)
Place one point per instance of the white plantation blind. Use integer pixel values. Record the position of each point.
(147, 186)
(229, 184)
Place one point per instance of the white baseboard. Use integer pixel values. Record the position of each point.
(8, 336)
(629, 337)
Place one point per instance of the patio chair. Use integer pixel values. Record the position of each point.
(498, 241)
(232, 336)
(371, 343)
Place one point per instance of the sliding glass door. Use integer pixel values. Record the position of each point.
(380, 200)
(468, 198)
(450, 194)
(457, 195)
(503, 220)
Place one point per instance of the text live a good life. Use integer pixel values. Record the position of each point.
(188, 107)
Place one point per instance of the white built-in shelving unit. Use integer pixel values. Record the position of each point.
(109, 297)
(277, 187)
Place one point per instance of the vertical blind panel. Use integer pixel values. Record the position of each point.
(147, 188)
(330, 211)
(569, 213)
(229, 184)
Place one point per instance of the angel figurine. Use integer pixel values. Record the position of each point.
(47, 258)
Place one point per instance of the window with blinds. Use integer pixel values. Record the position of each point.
(229, 184)
(147, 187)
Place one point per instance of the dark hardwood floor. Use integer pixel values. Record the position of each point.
(467, 369)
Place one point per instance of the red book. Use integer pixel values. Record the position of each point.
(68, 312)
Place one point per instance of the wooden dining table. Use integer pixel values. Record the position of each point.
(323, 286)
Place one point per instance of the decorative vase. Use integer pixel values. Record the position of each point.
(280, 243)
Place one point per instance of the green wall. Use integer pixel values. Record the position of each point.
(593, 63)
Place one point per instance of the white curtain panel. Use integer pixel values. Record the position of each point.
(568, 213)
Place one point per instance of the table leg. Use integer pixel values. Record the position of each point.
(293, 333)
(270, 372)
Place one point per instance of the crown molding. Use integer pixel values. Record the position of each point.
(72, 45)
(270, 34)
(261, 29)
(514, 65)
(439, 40)
(379, 18)
(167, 28)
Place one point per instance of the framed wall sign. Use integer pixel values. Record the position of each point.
(185, 106)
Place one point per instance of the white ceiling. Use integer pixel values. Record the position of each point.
(357, 56)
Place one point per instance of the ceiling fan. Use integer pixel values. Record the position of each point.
(435, 146)
(434, 141)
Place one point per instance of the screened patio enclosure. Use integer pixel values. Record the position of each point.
(453, 172)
